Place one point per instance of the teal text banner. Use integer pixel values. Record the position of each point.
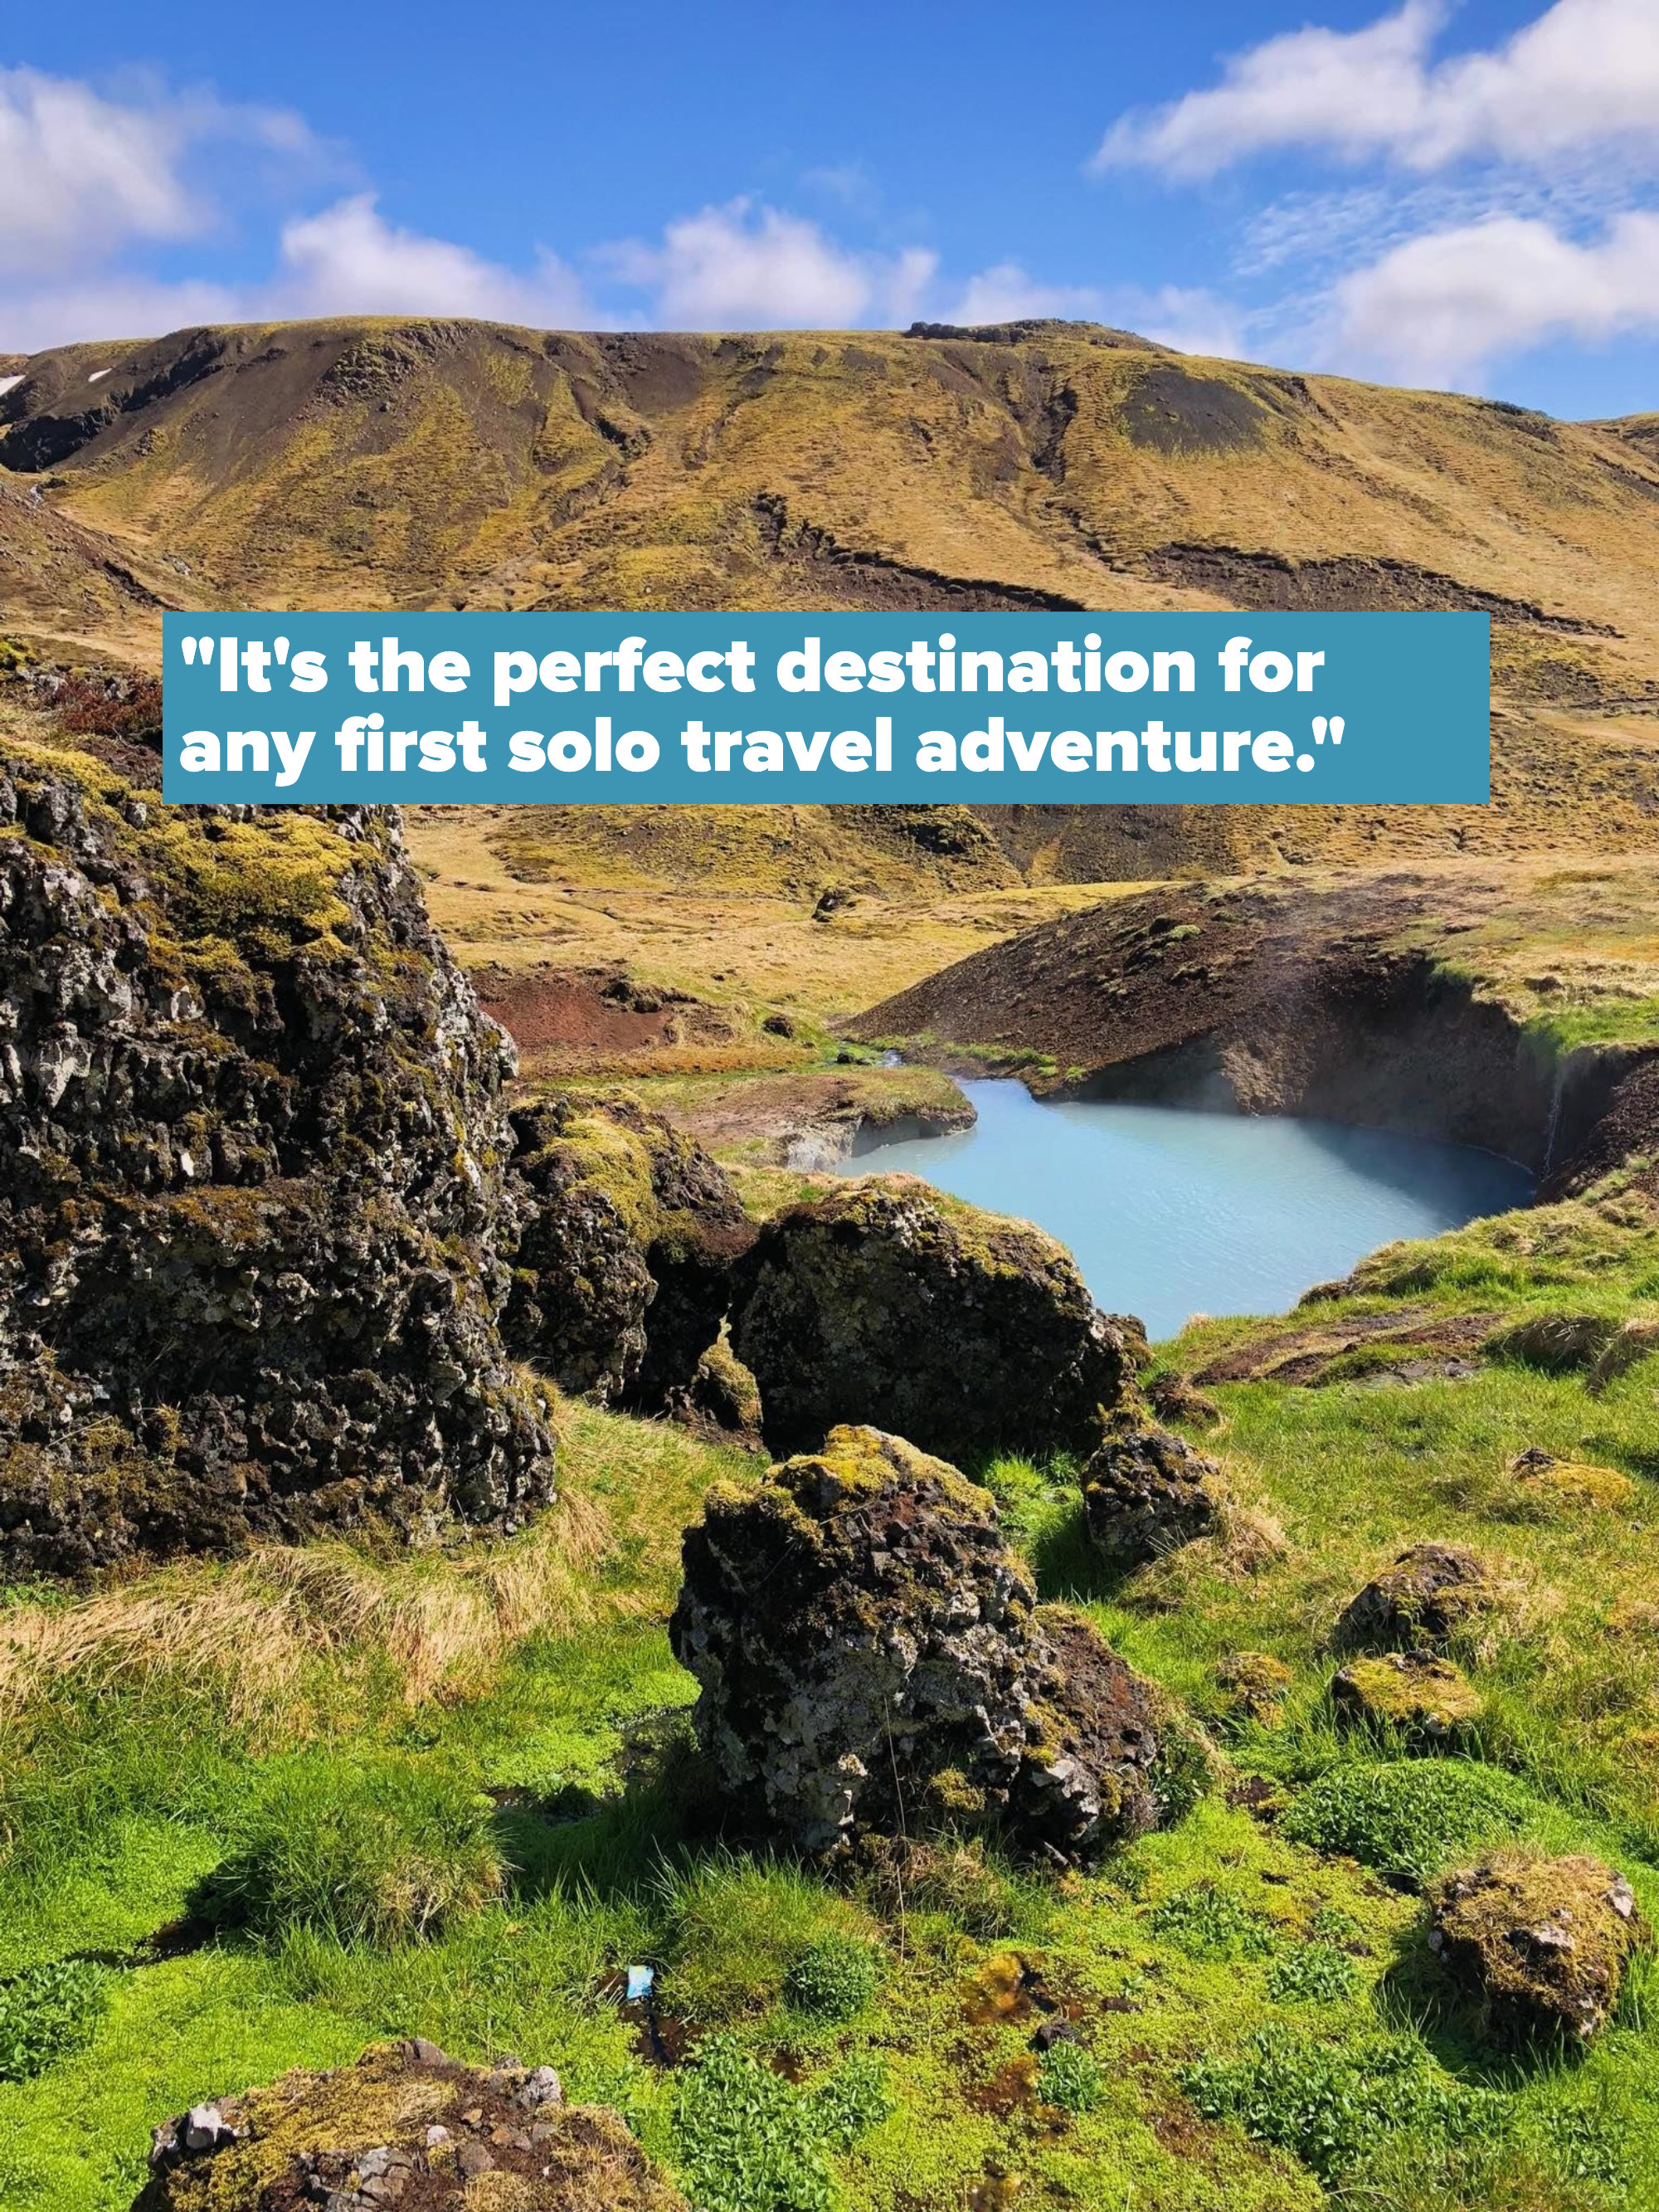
(308, 709)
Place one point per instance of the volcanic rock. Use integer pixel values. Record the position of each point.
(960, 1330)
(1146, 1490)
(871, 1659)
(1541, 1943)
(256, 1176)
(623, 1268)
(1418, 1603)
(403, 2126)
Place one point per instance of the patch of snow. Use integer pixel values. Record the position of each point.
(96, 373)
(6, 384)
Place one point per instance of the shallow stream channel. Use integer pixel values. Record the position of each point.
(1171, 1211)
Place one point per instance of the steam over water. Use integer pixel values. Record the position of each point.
(1171, 1213)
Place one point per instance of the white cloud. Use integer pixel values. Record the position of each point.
(1005, 293)
(1439, 309)
(350, 260)
(83, 176)
(1585, 72)
(109, 305)
(747, 267)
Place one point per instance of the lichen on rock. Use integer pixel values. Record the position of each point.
(1146, 1490)
(1540, 1943)
(403, 2125)
(872, 1659)
(258, 1148)
(622, 1272)
(884, 1304)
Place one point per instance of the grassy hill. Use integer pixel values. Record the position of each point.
(366, 463)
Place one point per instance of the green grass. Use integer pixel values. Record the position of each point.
(470, 1832)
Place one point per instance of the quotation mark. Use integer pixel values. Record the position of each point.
(1335, 726)
(195, 649)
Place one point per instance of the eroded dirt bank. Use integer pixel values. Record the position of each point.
(1348, 1000)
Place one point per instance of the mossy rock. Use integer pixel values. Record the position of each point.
(1426, 1701)
(1146, 1492)
(1541, 1944)
(884, 1304)
(403, 2125)
(871, 1659)
(1573, 1485)
(1431, 1592)
(1253, 1686)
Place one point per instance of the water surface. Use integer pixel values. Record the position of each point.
(1171, 1213)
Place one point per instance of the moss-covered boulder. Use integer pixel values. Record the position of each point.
(872, 1658)
(1541, 1944)
(255, 1175)
(622, 1272)
(1430, 1593)
(1424, 1700)
(403, 2126)
(1571, 1486)
(964, 1332)
(1146, 1490)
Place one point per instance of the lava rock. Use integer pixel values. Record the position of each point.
(964, 1332)
(1413, 1694)
(255, 1137)
(404, 2126)
(1418, 1603)
(1542, 1944)
(1146, 1490)
(629, 1231)
(871, 1660)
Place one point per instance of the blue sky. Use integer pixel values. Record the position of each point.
(1413, 189)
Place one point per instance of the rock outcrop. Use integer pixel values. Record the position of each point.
(885, 1305)
(405, 2126)
(1542, 1944)
(1146, 1490)
(629, 1231)
(1418, 1603)
(872, 1659)
(257, 1177)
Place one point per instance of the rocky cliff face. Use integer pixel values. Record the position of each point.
(257, 1180)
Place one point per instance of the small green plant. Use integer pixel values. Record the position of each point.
(378, 1851)
(833, 1979)
(1329, 2104)
(47, 2014)
(1313, 1973)
(1206, 1922)
(748, 2141)
(1071, 2077)
(1183, 1772)
(1406, 1817)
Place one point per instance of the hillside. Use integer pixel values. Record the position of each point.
(364, 463)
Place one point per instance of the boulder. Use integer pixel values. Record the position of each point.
(622, 1271)
(1418, 1603)
(255, 1144)
(403, 2126)
(1146, 1490)
(1542, 1944)
(871, 1659)
(964, 1332)
(1413, 1694)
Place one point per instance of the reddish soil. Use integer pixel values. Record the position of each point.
(572, 1011)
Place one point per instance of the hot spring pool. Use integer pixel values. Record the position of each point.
(1171, 1213)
